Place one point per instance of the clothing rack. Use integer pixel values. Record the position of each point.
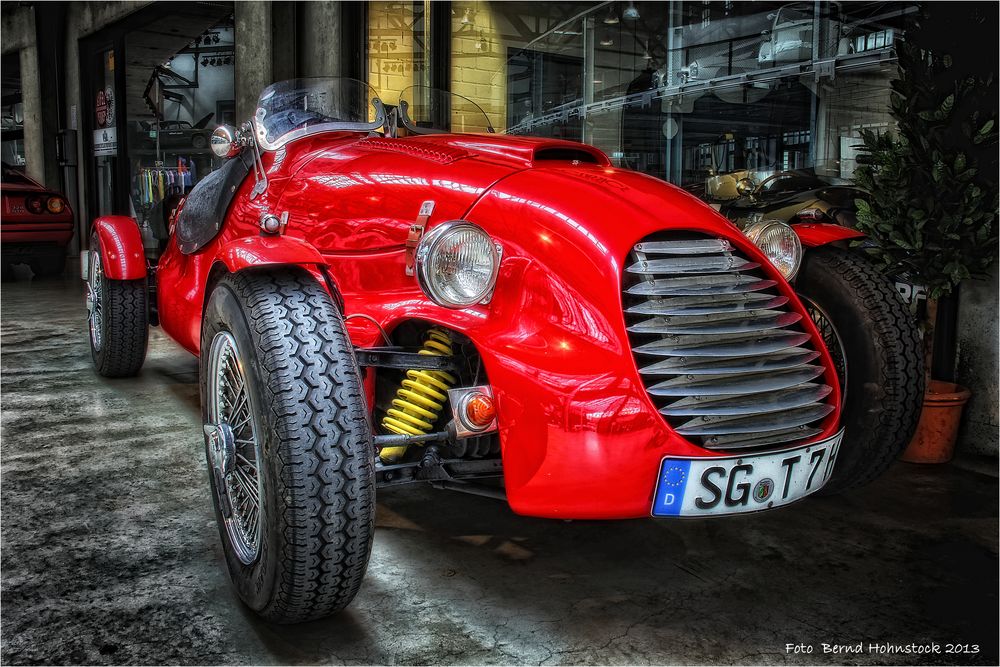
(154, 184)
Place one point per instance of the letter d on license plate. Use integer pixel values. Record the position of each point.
(743, 483)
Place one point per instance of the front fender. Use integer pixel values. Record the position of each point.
(254, 251)
(120, 245)
(814, 234)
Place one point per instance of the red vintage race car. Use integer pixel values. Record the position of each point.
(36, 226)
(375, 301)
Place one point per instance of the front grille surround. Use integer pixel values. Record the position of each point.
(721, 351)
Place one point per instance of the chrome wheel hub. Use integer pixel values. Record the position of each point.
(231, 437)
(221, 448)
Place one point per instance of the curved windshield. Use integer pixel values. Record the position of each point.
(291, 109)
(425, 110)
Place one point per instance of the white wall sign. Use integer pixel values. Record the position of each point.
(106, 141)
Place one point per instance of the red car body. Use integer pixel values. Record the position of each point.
(28, 226)
(580, 437)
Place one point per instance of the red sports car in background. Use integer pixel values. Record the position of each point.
(37, 224)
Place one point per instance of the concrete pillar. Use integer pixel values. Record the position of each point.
(50, 23)
(31, 98)
(73, 120)
(284, 33)
(320, 26)
(978, 363)
(253, 55)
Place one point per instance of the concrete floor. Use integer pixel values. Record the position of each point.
(110, 552)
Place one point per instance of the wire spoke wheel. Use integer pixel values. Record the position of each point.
(234, 447)
(833, 343)
(95, 300)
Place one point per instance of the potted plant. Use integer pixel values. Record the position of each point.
(932, 214)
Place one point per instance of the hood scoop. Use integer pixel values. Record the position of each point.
(524, 151)
(568, 154)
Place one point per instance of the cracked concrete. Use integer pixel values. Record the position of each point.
(110, 553)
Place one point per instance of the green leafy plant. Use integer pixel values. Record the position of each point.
(932, 212)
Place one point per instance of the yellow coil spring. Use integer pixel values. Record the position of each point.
(421, 398)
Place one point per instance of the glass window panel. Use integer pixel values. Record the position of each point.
(685, 91)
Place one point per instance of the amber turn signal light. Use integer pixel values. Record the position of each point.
(474, 410)
(480, 411)
(55, 205)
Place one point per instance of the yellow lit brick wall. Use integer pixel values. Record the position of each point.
(477, 63)
(477, 59)
(391, 61)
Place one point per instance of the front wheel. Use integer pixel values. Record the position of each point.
(875, 346)
(289, 445)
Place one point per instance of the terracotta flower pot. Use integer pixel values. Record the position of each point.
(934, 441)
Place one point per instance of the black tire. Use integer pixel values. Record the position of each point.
(881, 346)
(49, 265)
(317, 499)
(117, 320)
(199, 141)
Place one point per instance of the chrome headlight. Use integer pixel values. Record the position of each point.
(457, 264)
(779, 242)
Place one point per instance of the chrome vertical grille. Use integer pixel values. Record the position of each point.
(720, 353)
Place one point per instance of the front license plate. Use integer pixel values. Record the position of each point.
(743, 483)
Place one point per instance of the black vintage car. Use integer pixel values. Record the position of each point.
(789, 196)
(177, 133)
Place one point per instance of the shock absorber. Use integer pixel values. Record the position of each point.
(420, 397)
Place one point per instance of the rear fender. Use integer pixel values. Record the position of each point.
(815, 234)
(120, 245)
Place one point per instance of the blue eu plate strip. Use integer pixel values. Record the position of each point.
(673, 480)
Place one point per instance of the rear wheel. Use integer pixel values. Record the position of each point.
(875, 346)
(117, 319)
(288, 444)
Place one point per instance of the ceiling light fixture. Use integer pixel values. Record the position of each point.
(611, 18)
(631, 13)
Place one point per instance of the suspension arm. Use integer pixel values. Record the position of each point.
(440, 470)
(395, 357)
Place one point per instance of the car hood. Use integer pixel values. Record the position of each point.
(598, 211)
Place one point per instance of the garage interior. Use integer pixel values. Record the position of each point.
(110, 552)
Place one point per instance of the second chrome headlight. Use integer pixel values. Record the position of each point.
(779, 242)
(457, 264)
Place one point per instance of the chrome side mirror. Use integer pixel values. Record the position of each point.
(745, 187)
(227, 142)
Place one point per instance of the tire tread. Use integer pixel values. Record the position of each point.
(893, 329)
(322, 437)
(126, 335)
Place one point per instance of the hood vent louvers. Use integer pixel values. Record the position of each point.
(718, 347)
